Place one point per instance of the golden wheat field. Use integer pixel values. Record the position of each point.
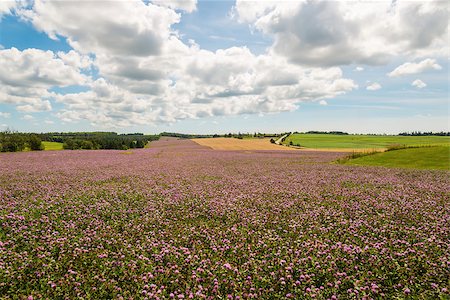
(237, 144)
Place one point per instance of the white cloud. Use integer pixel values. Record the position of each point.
(43, 105)
(418, 84)
(415, 68)
(186, 5)
(358, 69)
(74, 59)
(323, 102)
(49, 122)
(148, 75)
(27, 117)
(4, 115)
(7, 6)
(227, 82)
(27, 76)
(326, 33)
(373, 87)
(124, 28)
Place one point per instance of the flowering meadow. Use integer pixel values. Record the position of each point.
(182, 221)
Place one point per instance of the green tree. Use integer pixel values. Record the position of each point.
(35, 143)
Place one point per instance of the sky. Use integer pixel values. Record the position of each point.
(224, 66)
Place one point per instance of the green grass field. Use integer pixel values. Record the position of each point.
(329, 141)
(53, 146)
(433, 158)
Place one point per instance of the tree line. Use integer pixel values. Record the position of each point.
(226, 135)
(419, 133)
(99, 140)
(12, 141)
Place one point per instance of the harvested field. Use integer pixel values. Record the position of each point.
(237, 144)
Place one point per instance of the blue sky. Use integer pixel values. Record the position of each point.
(223, 66)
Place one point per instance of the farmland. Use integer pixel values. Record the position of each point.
(418, 158)
(52, 145)
(331, 141)
(239, 144)
(178, 220)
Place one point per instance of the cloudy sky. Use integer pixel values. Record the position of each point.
(224, 66)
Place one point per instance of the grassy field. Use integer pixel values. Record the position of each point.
(329, 141)
(433, 158)
(52, 146)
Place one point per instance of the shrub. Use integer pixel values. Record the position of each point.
(11, 141)
(88, 145)
(35, 143)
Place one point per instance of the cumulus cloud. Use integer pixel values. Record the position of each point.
(415, 68)
(418, 84)
(27, 117)
(7, 6)
(323, 102)
(146, 74)
(129, 28)
(373, 86)
(186, 5)
(226, 82)
(359, 69)
(27, 76)
(327, 33)
(74, 59)
(4, 114)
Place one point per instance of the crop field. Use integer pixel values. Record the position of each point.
(52, 145)
(418, 158)
(239, 144)
(327, 141)
(178, 220)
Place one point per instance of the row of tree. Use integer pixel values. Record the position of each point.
(12, 141)
(226, 135)
(99, 140)
(326, 132)
(119, 142)
(419, 133)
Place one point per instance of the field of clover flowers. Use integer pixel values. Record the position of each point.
(181, 221)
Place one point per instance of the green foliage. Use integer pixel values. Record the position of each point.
(12, 141)
(99, 140)
(35, 143)
(88, 145)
